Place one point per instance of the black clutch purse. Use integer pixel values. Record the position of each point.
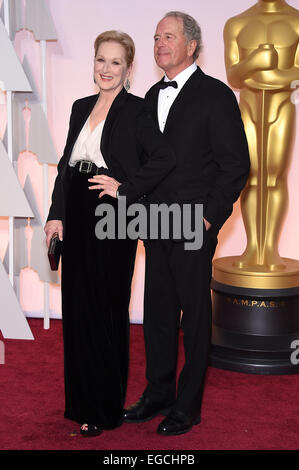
(54, 251)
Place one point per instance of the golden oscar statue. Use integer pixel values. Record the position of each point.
(254, 295)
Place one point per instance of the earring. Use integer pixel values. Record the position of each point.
(127, 84)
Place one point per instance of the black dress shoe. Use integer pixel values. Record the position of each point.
(89, 430)
(144, 410)
(176, 423)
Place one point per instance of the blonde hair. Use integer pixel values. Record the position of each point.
(117, 36)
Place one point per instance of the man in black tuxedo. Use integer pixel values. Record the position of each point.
(200, 118)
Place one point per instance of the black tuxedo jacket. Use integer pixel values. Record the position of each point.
(132, 146)
(205, 129)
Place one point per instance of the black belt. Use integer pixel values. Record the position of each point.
(86, 166)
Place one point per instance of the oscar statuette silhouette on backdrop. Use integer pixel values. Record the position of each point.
(256, 295)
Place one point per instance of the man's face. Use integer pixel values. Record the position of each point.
(171, 50)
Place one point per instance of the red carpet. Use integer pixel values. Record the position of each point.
(244, 412)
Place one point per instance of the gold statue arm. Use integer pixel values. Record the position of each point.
(238, 69)
(278, 78)
(297, 54)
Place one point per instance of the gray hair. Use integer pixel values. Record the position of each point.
(191, 28)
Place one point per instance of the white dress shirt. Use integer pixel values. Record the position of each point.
(169, 94)
(87, 145)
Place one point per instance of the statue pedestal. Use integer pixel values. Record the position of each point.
(255, 318)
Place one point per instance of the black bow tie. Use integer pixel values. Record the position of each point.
(163, 85)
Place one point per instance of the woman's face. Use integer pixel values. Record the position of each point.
(110, 66)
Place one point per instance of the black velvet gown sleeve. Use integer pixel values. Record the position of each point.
(56, 211)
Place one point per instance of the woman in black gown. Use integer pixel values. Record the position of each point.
(111, 133)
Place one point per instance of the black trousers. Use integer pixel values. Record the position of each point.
(96, 283)
(178, 280)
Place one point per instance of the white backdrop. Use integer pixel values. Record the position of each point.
(70, 76)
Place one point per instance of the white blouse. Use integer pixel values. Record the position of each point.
(87, 145)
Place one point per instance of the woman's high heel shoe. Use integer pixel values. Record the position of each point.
(89, 430)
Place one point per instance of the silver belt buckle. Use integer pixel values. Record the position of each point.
(88, 169)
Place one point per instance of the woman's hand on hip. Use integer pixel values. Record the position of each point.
(105, 184)
(51, 227)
